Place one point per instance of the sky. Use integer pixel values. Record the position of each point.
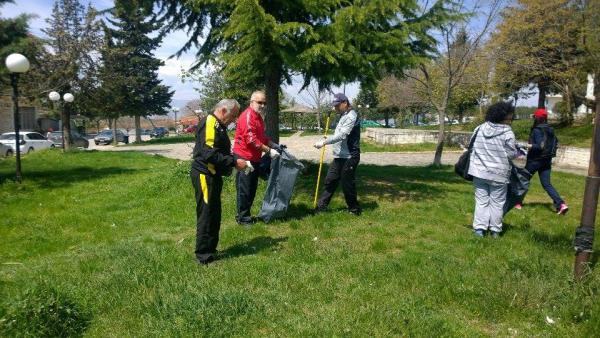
(170, 72)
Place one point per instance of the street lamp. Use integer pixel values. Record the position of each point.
(16, 64)
(175, 110)
(68, 97)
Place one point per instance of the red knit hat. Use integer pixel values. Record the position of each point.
(540, 112)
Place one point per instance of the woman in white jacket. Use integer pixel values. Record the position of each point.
(490, 167)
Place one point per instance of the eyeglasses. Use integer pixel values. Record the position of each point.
(262, 103)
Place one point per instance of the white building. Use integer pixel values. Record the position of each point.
(582, 110)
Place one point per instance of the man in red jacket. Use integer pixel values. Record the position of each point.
(250, 143)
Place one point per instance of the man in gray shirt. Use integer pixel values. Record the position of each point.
(346, 153)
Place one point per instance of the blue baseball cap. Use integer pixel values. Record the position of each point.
(339, 98)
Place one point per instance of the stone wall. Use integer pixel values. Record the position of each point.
(409, 136)
(572, 156)
(565, 156)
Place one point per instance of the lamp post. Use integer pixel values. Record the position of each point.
(360, 110)
(68, 97)
(175, 111)
(16, 64)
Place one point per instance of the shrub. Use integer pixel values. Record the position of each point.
(43, 312)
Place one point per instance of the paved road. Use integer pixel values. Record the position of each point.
(301, 147)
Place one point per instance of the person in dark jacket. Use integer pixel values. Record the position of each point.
(212, 159)
(542, 148)
(346, 156)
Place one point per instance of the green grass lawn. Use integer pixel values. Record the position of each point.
(367, 146)
(575, 135)
(183, 138)
(101, 244)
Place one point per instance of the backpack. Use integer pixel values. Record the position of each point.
(549, 143)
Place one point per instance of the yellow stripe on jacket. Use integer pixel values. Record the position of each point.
(209, 131)
(204, 188)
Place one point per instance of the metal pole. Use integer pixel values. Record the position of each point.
(321, 164)
(13, 81)
(584, 235)
(62, 123)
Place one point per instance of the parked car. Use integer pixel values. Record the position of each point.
(159, 132)
(106, 137)
(146, 131)
(76, 139)
(29, 141)
(5, 150)
(190, 129)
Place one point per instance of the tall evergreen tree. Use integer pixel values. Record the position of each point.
(73, 38)
(329, 41)
(130, 68)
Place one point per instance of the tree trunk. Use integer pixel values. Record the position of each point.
(272, 85)
(115, 141)
(138, 129)
(67, 126)
(387, 117)
(569, 106)
(318, 118)
(437, 158)
(542, 88)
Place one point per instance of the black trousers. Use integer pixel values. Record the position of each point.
(246, 191)
(344, 170)
(208, 214)
(246, 186)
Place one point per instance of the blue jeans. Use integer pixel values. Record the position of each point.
(544, 167)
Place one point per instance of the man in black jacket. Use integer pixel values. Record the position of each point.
(212, 159)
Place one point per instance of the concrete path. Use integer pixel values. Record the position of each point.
(302, 148)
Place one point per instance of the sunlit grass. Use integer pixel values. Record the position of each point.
(109, 237)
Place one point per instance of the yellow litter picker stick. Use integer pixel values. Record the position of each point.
(321, 164)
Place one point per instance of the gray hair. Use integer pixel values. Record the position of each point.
(256, 93)
(228, 104)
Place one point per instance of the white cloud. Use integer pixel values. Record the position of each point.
(174, 67)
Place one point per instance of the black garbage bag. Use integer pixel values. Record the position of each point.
(517, 187)
(280, 187)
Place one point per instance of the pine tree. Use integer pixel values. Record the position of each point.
(329, 41)
(73, 36)
(130, 70)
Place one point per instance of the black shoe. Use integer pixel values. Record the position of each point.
(207, 260)
(247, 222)
(355, 211)
(319, 210)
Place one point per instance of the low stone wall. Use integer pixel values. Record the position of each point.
(565, 156)
(409, 136)
(572, 156)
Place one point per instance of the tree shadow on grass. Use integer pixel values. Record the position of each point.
(50, 179)
(393, 183)
(253, 247)
(559, 241)
(297, 211)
